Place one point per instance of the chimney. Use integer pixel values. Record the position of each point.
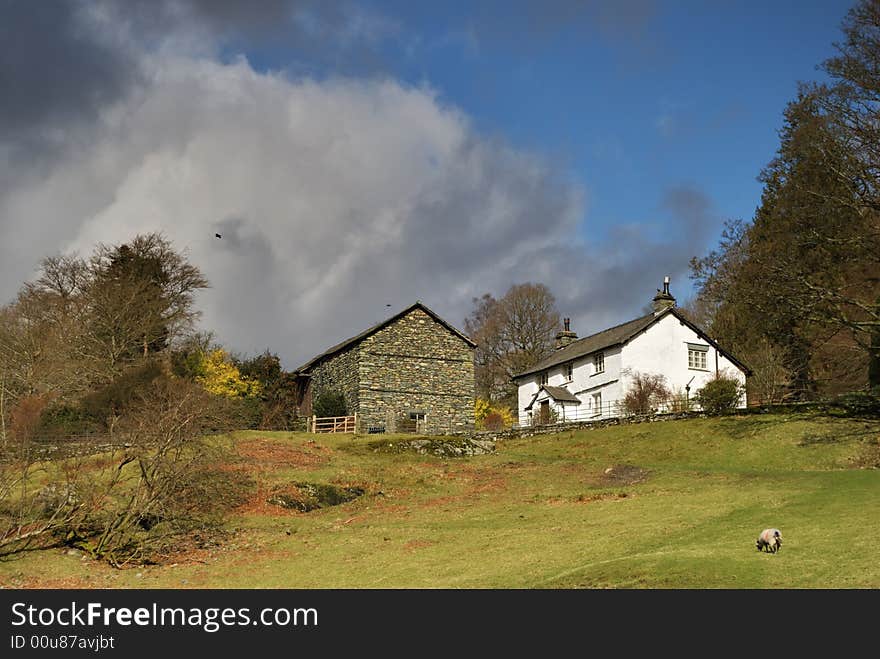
(566, 336)
(663, 300)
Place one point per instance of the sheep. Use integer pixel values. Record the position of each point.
(770, 539)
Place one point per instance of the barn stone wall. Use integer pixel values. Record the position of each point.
(339, 373)
(415, 364)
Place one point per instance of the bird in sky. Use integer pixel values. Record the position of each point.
(218, 235)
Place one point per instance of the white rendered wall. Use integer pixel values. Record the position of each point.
(663, 349)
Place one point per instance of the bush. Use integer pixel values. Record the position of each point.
(113, 400)
(329, 403)
(492, 417)
(647, 393)
(719, 395)
(246, 413)
(66, 420)
(26, 416)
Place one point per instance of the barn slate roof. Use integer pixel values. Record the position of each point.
(617, 335)
(348, 343)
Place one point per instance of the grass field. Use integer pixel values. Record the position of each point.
(676, 504)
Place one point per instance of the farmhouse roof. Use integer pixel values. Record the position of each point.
(617, 335)
(348, 343)
(556, 393)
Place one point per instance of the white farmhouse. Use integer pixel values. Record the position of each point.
(588, 378)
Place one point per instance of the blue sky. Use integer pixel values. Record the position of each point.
(356, 155)
(629, 100)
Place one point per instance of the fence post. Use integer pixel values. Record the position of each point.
(314, 423)
(355, 423)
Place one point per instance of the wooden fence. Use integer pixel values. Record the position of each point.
(334, 423)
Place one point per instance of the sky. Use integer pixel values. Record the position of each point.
(356, 155)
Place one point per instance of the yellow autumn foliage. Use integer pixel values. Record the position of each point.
(222, 378)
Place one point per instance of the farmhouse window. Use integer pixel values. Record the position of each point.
(597, 404)
(542, 379)
(697, 357)
(599, 363)
(569, 372)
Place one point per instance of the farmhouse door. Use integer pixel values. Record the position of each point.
(545, 412)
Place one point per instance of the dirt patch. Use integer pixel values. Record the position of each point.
(306, 497)
(621, 475)
(262, 455)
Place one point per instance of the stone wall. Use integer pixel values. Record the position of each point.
(571, 426)
(415, 364)
(339, 373)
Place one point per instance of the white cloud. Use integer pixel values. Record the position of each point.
(333, 198)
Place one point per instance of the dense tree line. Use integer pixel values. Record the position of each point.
(796, 292)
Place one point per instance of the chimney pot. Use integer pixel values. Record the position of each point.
(566, 336)
(664, 300)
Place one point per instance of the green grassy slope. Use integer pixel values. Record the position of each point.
(681, 508)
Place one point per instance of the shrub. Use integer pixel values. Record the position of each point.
(66, 420)
(329, 403)
(26, 415)
(492, 417)
(223, 378)
(721, 394)
(113, 400)
(646, 393)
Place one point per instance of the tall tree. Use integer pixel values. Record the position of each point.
(141, 297)
(512, 334)
(81, 323)
(802, 282)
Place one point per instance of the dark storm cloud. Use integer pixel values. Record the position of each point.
(334, 197)
(55, 74)
(62, 62)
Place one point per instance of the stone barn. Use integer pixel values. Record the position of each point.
(412, 372)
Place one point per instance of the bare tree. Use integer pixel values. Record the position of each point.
(161, 483)
(512, 334)
(81, 323)
(647, 392)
